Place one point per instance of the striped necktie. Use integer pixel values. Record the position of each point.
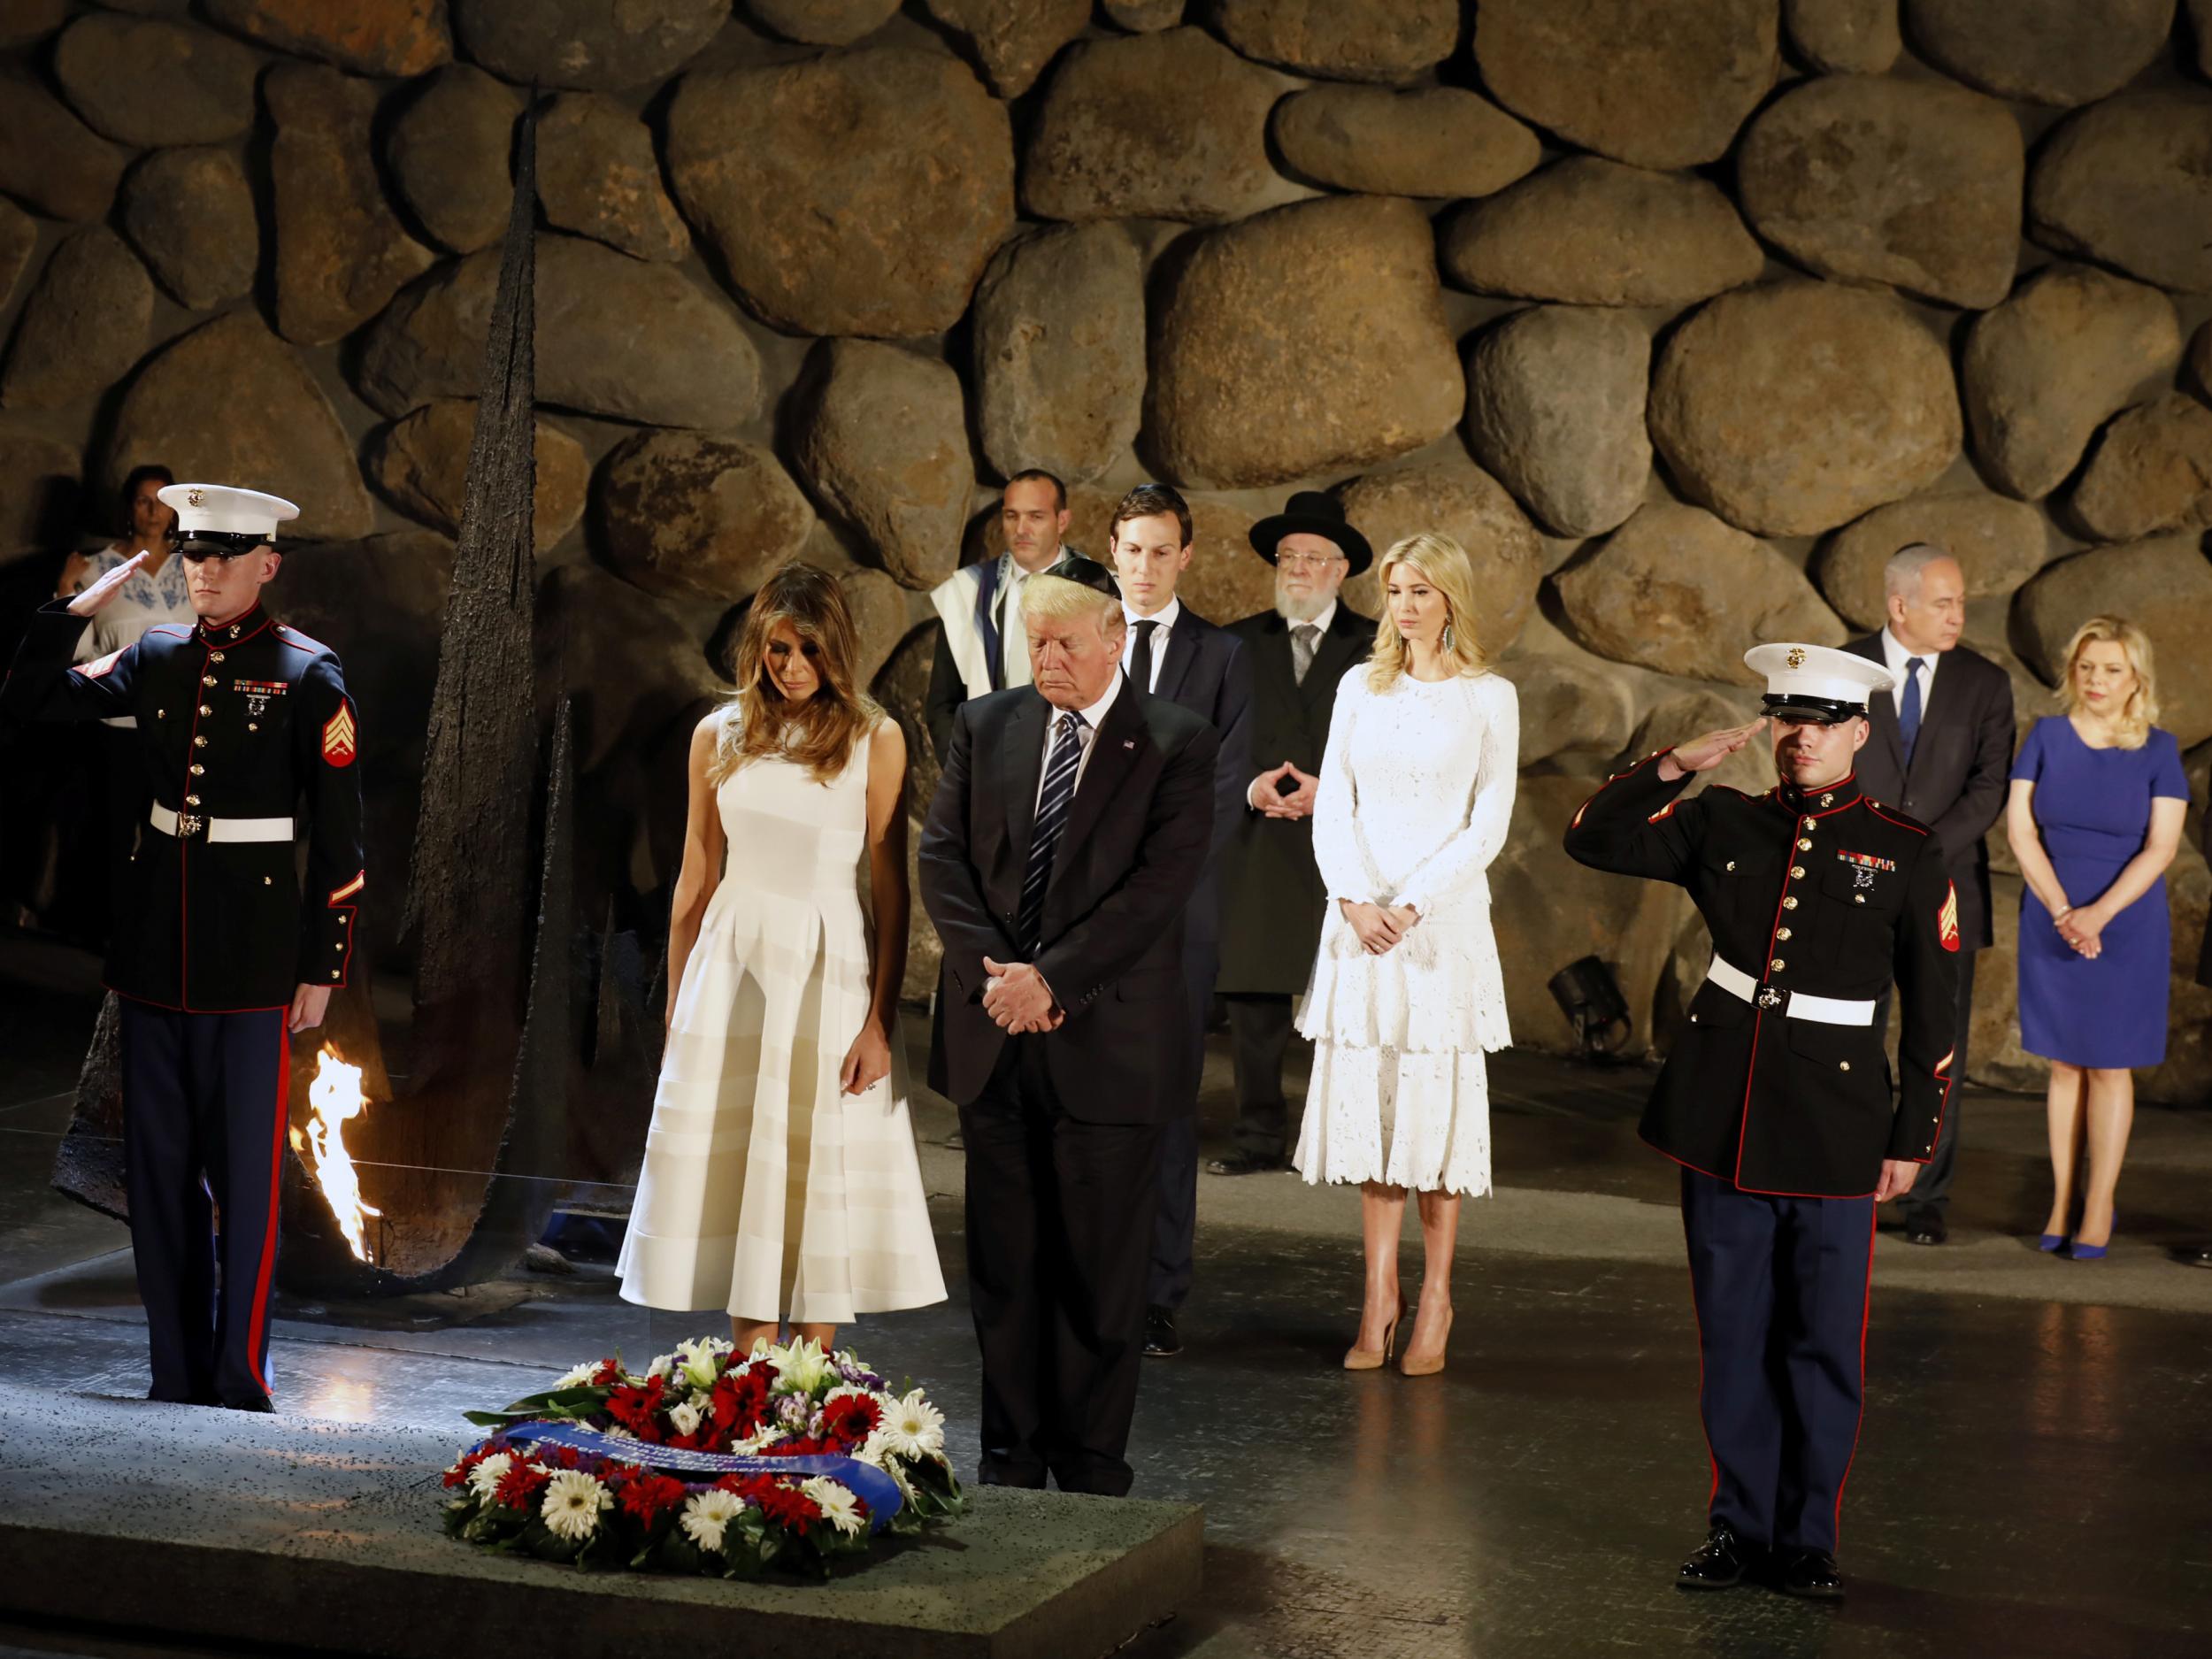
(1052, 817)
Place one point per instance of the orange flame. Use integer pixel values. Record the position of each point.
(336, 1095)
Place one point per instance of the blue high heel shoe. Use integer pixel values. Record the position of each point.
(2094, 1252)
(2051, 1243)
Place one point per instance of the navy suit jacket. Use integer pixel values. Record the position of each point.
(1133, 847)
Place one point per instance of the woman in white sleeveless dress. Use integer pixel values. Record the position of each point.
(780, 1180)
(1407, 996)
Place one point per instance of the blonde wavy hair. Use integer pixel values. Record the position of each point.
(820, 734)
(2133, 727)
(1452, 573)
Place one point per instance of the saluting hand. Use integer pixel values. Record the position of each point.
(1702, 753)
(96, 596)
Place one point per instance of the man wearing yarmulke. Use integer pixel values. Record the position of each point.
(249, 742)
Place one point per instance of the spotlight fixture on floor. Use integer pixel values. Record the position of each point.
(1592, 1000)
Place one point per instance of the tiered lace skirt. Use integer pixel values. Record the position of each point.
(1401, 1089)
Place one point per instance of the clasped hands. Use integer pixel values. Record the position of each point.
(2082, 928)
(1378, 927)
(1017, 999)
(1263, 793)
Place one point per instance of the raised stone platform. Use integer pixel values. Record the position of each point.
(324, 1537)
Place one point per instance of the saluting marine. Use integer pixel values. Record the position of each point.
(1776, 1098)
(250, 740)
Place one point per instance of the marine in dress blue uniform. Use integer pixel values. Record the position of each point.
(249, 742)
(1775, 1100)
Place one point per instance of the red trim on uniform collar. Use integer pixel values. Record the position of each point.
(239, 629)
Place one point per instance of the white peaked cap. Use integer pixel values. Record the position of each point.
(226, 510)
(1817, 679)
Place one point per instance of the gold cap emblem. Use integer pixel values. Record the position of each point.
(195, 498)
(1797, 656)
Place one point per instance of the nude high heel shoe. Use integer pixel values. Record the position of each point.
(1375, 1359)
(1414, 1366)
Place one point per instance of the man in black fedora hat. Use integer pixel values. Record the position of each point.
(1272, 896)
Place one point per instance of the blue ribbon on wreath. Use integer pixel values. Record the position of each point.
(870, 1484)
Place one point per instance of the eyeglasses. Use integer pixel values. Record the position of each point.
(1307, 561)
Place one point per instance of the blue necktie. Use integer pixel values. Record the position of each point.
(1052, 817)
(1908, 711)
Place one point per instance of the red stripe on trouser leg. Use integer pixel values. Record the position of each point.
(1866, 1310)
(255, 1333)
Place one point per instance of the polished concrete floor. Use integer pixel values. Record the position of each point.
(2034, 1476)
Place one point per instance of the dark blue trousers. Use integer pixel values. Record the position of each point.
(204, 1127)
(1781, 1286)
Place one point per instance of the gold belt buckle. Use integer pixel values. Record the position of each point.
(1769, 997)
(190, 825)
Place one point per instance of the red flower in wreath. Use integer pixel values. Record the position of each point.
(457, 1476)
(645, 1495)
(789, 1508)
(739, 1402)
(637, 1408)
(519, 1487)
(752, 1488)
(608, 1374)
(849, 1419)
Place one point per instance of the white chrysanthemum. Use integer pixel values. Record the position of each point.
(801, 1368)
(573, 1503)
(767, 1436)
(685, 1416)
(708, 1514)
(485, 1477)
(616, 1432)
(576, 1376)
(662, 1366)
(913, 1428)
(837, 1503)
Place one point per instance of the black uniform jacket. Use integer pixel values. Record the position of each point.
(1829, 894)
(1131, 852)
(250, 720)
(1272, 898)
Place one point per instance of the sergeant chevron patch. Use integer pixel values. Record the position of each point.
(338, 737)
(1947, 918)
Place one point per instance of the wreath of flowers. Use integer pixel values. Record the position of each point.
(610, 1469)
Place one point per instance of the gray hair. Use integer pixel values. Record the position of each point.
(1901, 577)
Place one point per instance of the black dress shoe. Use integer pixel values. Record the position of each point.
(1244, 1163)
(2194, 1256)
(1810, 1573)
(250, 1402)
(1719, 1563)
(1926, 1227)
(1161, 1339)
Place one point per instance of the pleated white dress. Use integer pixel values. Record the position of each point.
(765, 1191)
(1417, 791)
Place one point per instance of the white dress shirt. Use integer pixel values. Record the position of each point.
(1086, 738)
(1165, 618)
(1896, 655)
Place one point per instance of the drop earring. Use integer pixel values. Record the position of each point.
(1447, 636)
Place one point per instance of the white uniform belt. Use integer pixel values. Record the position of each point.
(1828, 1010)
(193, 827)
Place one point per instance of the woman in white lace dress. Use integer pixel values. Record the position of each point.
(780, 1180)
(1407, 996)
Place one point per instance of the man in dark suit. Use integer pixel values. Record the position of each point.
(1173, 652)
(1942, 751)
(1272, 896)
(1070, 825)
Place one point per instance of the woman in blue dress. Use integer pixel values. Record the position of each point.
(2098, 796)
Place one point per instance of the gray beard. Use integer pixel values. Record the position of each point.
(1299, 609)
